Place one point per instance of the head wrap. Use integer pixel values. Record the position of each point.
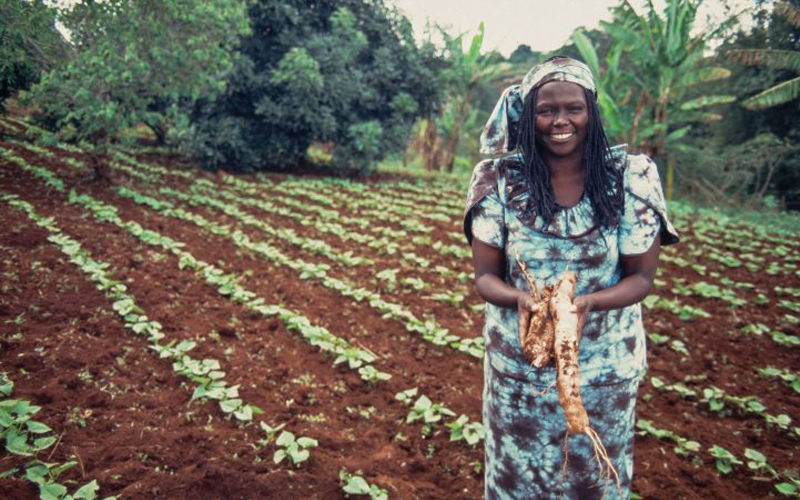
(501, 133)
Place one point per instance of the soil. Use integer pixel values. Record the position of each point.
(127, 419)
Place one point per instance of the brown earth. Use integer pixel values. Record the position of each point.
(127, 419)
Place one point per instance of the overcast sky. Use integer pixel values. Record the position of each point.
(543, 24)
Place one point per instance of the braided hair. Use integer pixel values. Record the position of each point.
(603, 184)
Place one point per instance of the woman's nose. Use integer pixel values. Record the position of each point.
(561, 118)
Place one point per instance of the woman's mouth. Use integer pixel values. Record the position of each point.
(561, 137)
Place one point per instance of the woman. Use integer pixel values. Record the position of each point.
(564, 199)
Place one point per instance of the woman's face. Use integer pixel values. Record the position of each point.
(562, 119)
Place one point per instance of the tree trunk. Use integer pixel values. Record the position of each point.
(160, 130)
(455, 134)
(98, 157)
(431, 146)
(670, 173)
(99, 163)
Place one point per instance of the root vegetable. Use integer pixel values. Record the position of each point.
(567, 377)
(553, 332)
(537, 340)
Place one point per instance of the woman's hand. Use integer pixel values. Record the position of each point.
(526, 307)
(583, 306)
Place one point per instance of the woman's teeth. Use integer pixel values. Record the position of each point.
(561, 136)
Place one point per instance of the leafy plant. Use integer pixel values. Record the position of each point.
(756, 461)
(45, 475)
(406, 397)
(357, 485)
(17, 426)
(725, 459)
(792, 379)
(683, 446)
(428, 412)
(781, 59)
(372, 375)
(294, 448)
(270, 431)
(462, 428)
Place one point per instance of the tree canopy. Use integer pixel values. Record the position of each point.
(29, 44)
(138, 61)
(348, 76)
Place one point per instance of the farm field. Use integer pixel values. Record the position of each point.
(175, 326)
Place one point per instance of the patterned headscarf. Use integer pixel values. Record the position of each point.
(501, 133)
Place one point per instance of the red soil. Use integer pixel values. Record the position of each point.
(124, 415)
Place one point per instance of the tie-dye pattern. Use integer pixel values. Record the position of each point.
(524, 443)
(525, 432)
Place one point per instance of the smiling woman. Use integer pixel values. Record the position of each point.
(564, 201)
(562, 119)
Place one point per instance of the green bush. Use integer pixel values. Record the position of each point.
(29, 43)
(346, 74)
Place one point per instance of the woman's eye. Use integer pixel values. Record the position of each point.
(545, 111)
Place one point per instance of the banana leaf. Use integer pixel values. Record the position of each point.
(705, 101)
(773, 96)
(772, 58)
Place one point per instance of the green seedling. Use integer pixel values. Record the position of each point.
(16, 426)
(427, 411)
(294, 448)
(725, 459)
(407, 396)
(45, 475)
(462, 428)
(356, 485)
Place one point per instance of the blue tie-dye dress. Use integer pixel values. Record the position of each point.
(525, 431)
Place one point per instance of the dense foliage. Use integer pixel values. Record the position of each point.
(137, 61)
(753, 145)
(255, 85)
(348, 77)
(29, 43)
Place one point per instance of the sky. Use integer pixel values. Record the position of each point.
(545, 25)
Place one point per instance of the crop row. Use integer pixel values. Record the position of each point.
(205, 373)
(428, 329)
(25, 437)
(725, 461)
(107, 213)
(723, 403)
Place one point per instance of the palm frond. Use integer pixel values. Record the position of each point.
(772, 58)
(783, 92)
(788, 12)
(586, 48)
(708, 100)
(703, 75)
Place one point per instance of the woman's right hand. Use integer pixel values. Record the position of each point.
(526, 307)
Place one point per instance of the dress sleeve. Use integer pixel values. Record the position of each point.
(645, 211)
(483, 184)
(488, 221)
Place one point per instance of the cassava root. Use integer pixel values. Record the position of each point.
(537, 340)
(567, 337)
(553, 333)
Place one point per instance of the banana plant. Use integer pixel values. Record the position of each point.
(773, 58)
(468, 71)
(663, 61)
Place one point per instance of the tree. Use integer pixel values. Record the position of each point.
(769, 30)
(467, 72)
(775, 58)
(666, 62)
(742, 174)
(138, 61)
(524, 56)
(346, 75)
(29, 44)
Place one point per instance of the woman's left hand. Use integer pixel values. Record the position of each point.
(583, 305)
